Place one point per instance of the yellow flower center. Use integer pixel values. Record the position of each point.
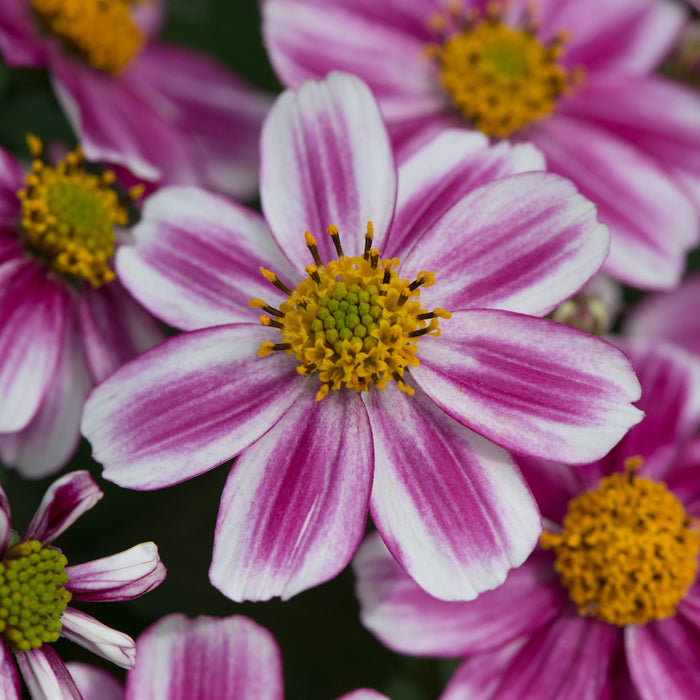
(352, 320)
(501, 78)
(101, 31)
(628, 551)
(32, 595)
(68, 216)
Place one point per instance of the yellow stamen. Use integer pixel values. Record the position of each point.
(627, 552)
(351, 321)
(102, 32)
(68, 216)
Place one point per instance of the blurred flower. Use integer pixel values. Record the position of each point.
(610, 605)
(347, 388)
(65, 322)
(573, 77)
(210, 658)
(36, 586)
(168, 115)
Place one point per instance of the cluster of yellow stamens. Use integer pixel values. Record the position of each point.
(102, 32)
(68, 216)
(32, 595)
(501, 78)
(352, 320)
(627, 552)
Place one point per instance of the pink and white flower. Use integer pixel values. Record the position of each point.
(528, 638)
(505, 246)
(59, 335)
(628, 139)
(166, 114)
(122, 576)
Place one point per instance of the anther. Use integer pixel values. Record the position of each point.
(335, 237)
(265, 321)
(311, 245)
(260, 304)
(368, 240)
(312, 272)
(272, 277)
(420, 331)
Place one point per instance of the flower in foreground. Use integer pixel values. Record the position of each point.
(179, 658)
(66, 323)
(37, 585)
(573, 77)
(372, 377)
(608, 607)
(167, 114)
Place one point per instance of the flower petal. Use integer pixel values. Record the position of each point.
(114, 329)
(122, 576)
(451, 506)
(363, 694)
(531, 385)
(197, 257)
(33, 313)
(5, 523)
(225, 658)
(188, 405)
(95, 683)
(19, 42)
(46, 676)
(447, 168)
(408, 620)
(110, 644)
(11, 180)
(63, 503)
(295, 504)
(9, 678)
(524, 243)
(326, 159)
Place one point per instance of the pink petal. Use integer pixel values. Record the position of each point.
(33, 313)
(197, 257)
(10, 244)
(188, 405)
(524, 243)
(63, 503)
(5, 523)
(122, 576)
(452, 507)
(224, 658)
(652, 221)
(663, 658)
(531, 385)
(110, 644)
(219, 115)
(11, 180)
(363, 694)
(9, 678)
(51, 437)
(326, 159)
(95, 683)
(684, 477)
(19, 42)
(446, 169)
(46, 675)
(295, 504)
(408, 620)
(114, 328)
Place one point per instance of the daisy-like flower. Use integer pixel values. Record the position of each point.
(384, 350)
(168, 115)
(65, 321)
(37, 585)
(573, 77)
(229, 658)
(608, 607)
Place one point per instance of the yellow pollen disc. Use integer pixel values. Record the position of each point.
(627, 552)
(32, 595)
(353, 321)
(501, 78)
(101, 31)
(68, 216)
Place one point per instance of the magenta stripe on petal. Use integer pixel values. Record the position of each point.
(122, 576)
(294, 507)
(63, 503)
(188, 405)
(451, 506)
(5, 522)
(46, 675)
(9, 678)
(326, 159)
(95, 683)
(224, 659)
(529, 384)
(364, 694)
(11, 180)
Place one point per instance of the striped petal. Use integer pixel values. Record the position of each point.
(294, 507)
(451, 507)
(46, 676)
(5, 522)
(95, 683)
(531, 385)
(188, 405)
(9, 678)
